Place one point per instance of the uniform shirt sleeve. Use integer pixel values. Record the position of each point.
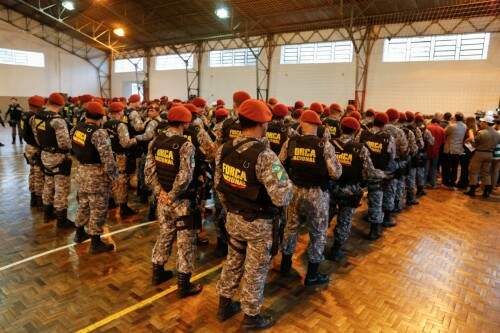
(207, 146)
(62, 133)
(218, 176)
(150, 131)
(401, 143)
(136, 121)
(150, 175)
(419, 138)
(101, 141)
(124, 136)
(272, 175)
(332, 163)
(412, 143)
(391, 147)
(369, 171)
(186, 169)
(428, 137)
(284, 151)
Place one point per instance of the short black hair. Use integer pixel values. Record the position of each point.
(296, 114)
(247, 123)
(93, 116)
(447, 116)
(347, 130)
(435, 121)
(459, 116)
(175, 123)
(378, 123)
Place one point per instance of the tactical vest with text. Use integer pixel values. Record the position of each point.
(333, 125)
(378, 144)
(305, 162)
(231, 129)
(111, 126)
(352, 166)
(45, 133)
(26, 130)
(84, 149)
(277, 134)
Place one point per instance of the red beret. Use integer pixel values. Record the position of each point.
(36, 101)
(220, 102)
(316, 107)
(179, 113)
(199, 102)
(85, 98)
(255, 110)
(350, 108)
(310, 117)
(350, 122)
(272, 101)
(123, 99)
(419, 118)
(240, 96)
(115, 99)
(57, 99)
(116, 107)
(176, 100)
(299, 105)
(335, 108)
(402, 117)
(370, 112)
(393, 114)
(355, 114)
(326, 111)
(221, 113)
(280, 110)
(134, 98)
(99, 100)
(95, 108)
(192, 108)
(382, 117)
(409, 116)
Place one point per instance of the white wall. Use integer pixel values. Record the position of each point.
(63, 71)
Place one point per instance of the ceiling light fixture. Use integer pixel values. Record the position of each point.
(119, 32)
(69, 5)
(222, 13)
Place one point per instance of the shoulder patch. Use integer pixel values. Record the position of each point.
(280, 173)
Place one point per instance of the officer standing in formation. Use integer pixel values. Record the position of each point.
(14, 114)
(277, 131)
(32, 151)
(52, 135)
(428, 140)
(252, 184)
(169, 172)
(97, 170)
(311, 163)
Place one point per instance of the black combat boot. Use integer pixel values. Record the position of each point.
(185, 287)
(313, 277)
(257, 322)
(221, 248)
(388, 220)
(487, 191)
(160, 275)
(39, 201)
(420, 191)
(227, 308)
(374, 231)
(125, 210)
(33, 200)
(472, 191)
(62, 219)
(335, 253)
(81, 235)
(112, 203)
(152, 211)
(286, 264)
(98, 246)
(48, 213)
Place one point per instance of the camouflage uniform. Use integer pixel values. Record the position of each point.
(120, 186)
(252, 263)
(406, 183)
(310, 205)
(344, 218)
(428, 140)
(36, 178)
(169, 215)
(390, 187)
(148, 135)
(94, 182)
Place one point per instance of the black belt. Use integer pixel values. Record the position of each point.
(485, 151)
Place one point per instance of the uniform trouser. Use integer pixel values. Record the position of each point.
(342, 230)
(92, 211)
(16, 130)
(309, 205)
(141, 178)
(480, 166)
(249, 264)
(219, 216)
(171, 227)
(120, 186)
(375, 203)
(450, 169)
(400, 192)
(36, 177)
(495, 170)
(421, 175)
(431, 169)
(389, 194)
(56, 190)
(411, 179)
(464, 169)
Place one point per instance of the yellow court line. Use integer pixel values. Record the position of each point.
(143, 303)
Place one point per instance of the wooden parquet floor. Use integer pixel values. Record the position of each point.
(437, 271)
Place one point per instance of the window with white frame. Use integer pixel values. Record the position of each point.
(437, 48)
(232, 58)
(317, 53)
(129, 65)
(22, 58)
(174, 61)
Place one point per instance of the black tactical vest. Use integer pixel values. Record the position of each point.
(126, 119)
(333, 125)
(305, 162)
(26, 130)
(231, 129)
(277, 133)
(84, 149)
(378, 144)
(166, 152)
(242, 190)
(45, 133)
(111, 126)
(15, 112)
(162, 126)
(352, 166)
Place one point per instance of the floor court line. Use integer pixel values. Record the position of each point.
(36, 256)
(144, 303)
